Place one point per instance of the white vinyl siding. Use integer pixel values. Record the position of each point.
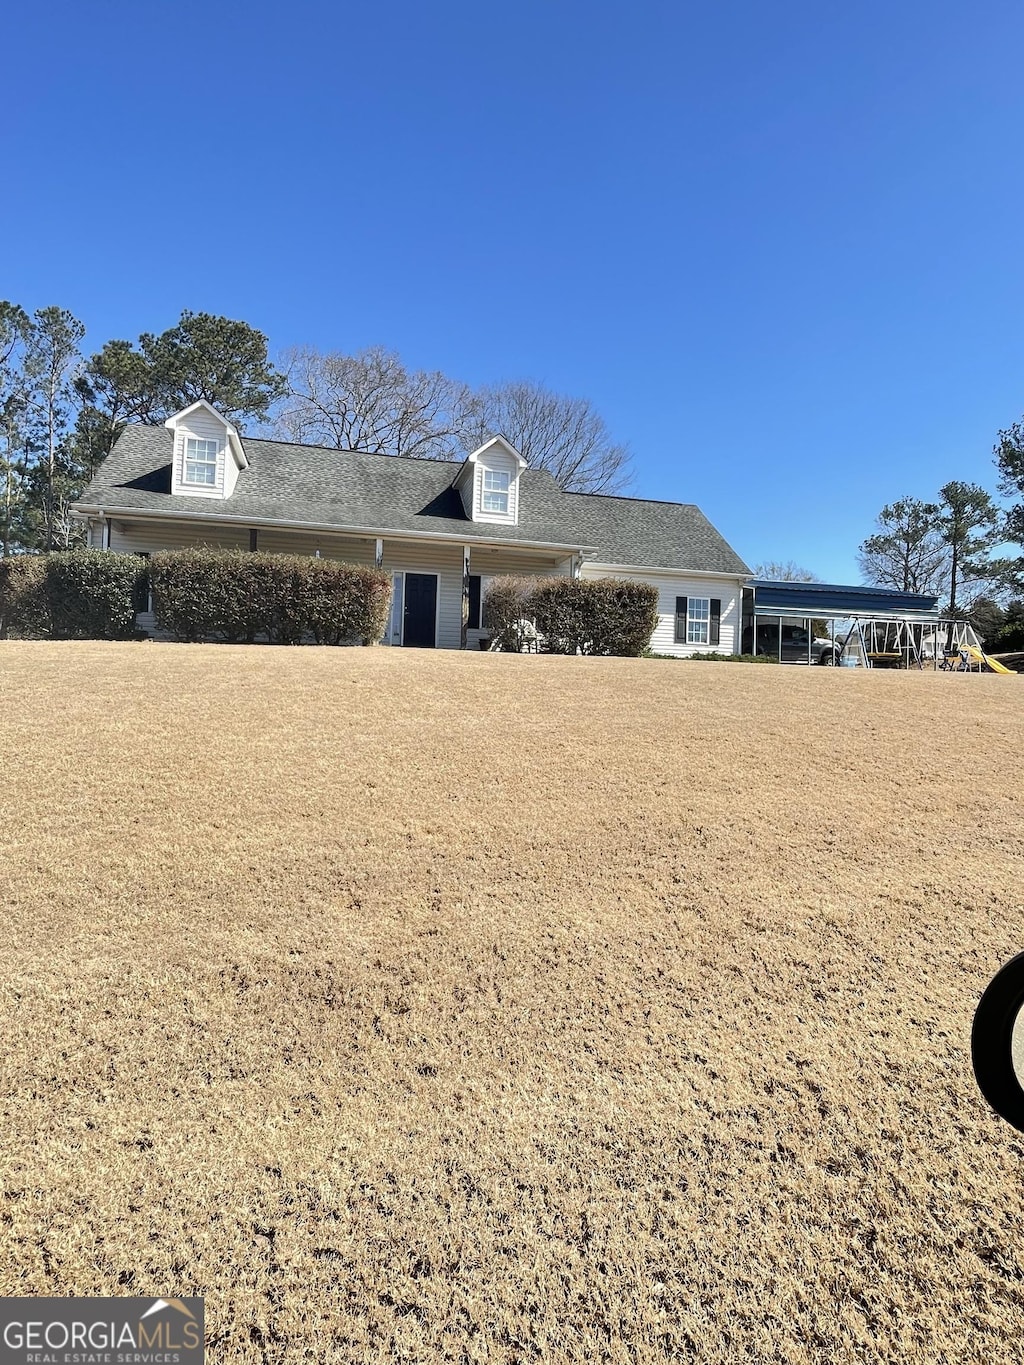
(672, 586)
(149, 536)
(348, 549)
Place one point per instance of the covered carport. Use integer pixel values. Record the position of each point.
(830, 623)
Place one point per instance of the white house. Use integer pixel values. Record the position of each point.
(441, 529)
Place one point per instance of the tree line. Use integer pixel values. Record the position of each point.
(964, 546)
(61, 410)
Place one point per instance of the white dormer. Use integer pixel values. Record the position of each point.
(489, 482)
(207, 452)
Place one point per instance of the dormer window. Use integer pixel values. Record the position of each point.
(208, 453)
(495, 491)
(201, 461)
(489, 483)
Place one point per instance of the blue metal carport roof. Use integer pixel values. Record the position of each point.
(830, 600)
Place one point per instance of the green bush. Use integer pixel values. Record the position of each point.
(344, 603)
(76, 595)
(573, 615)
(24, 609)
(233, 595)
(628, 616)
(92, 594)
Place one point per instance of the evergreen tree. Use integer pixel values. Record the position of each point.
(967, 523)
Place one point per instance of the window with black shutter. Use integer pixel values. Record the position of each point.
(681, 603)
(474, 601)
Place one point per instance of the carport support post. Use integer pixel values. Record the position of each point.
(465, 597)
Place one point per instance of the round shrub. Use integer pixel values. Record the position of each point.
(573, 615)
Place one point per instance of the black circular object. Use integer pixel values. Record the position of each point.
(992, 1042)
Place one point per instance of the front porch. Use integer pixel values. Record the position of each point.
(438, 586)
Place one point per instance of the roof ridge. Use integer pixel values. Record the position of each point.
(307, 445)
(430, 459)
(628, 497)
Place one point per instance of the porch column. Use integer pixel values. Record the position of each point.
(378, 554)
(575, 566)
(465, 597)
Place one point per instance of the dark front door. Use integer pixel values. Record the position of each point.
(420, 610)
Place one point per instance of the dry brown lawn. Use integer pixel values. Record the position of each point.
(432, 1007)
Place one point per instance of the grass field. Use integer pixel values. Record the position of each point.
(423, 1007)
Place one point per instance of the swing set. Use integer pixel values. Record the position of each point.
(947, 646)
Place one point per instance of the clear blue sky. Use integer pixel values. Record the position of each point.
(778, 245)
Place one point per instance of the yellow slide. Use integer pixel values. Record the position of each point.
(980, 658)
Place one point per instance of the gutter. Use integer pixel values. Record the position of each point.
(659, 568)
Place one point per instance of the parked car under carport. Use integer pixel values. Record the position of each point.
(798, 645)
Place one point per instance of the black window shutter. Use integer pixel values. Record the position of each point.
(474, 601)
(681, 620)
(716, 621)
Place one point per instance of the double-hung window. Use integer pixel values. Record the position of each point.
(698, 620)
(200, 461)
(495, 491)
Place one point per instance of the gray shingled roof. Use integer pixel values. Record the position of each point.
(377, 493)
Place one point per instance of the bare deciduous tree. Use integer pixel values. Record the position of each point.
(907, 551)
(370, 401)
(784, 571)
(566, 436)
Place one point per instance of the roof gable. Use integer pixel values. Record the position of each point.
(230, 430)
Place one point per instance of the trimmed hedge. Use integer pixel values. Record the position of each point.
(234, 595)
(70, 595)
(23, 602)
(573, 615)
